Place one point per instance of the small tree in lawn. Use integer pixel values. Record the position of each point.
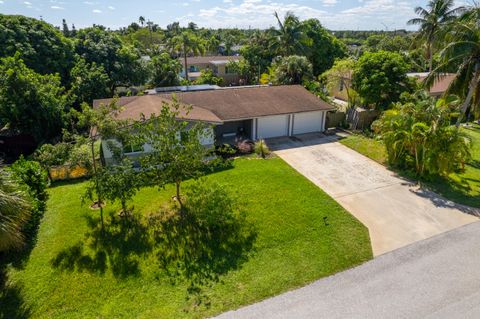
(101, 121)
(177, 152)
(118, 183)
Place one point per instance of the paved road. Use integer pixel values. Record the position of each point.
(396, 212)
(435, 278)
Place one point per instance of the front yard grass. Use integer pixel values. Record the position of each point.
(301, 235)
(460, 187)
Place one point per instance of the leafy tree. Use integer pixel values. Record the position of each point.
(384, 42)
(381, 77)
(257, 52)
(89, 82)
(121, 63)
(102, 121)
(42, 47)
(341, 75)
(177, 152)
(212, 44)
(290, 38)
(418, 136)
(244, 69)
(34, 177)
(432, 19)
(165, 70)
(322, 48)
(207, 77)
(141, 19)
(463, 53)
(49, 155)
(29, 102)
(14, 211)
(118, 182)
(293, 69)
(146, 40)
(187, 43)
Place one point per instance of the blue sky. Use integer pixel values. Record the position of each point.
(334, 14)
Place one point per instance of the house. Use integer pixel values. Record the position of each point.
(218, 65)
(253, 112)
(440, 85)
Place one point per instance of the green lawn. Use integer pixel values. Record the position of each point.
(461, 187)
(122, 279)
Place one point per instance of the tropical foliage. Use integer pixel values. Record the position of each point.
(14, 212)
(418, 136)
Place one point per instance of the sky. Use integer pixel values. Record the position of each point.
(333, 14)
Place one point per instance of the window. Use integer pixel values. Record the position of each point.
(133, 148)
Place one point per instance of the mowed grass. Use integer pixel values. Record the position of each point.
(293, 247)
(461, 187)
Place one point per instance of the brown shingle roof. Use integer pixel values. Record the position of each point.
(208, 59)
(135, 106)
(220, 105)
(250, 102)
(440, 85)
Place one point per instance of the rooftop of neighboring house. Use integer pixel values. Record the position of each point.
(226, 104)
(441, 83)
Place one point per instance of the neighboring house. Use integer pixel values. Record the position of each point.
(255, 112)
(440, 85)
(218, 65)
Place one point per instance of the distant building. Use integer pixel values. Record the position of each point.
(218, 65)
(440, 85)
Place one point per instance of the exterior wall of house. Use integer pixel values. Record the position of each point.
(208, 141)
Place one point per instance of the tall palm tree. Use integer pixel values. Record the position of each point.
(432, 19)
(187, 43)
(289, 39)
(463, 51)
(141, 19)
(14, 211)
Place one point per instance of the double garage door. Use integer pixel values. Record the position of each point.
(283, 125)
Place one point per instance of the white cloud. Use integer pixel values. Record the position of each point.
(27, 3)
(97, 11)
(361, 14)
(111, 7)
(1, 2)
(56, 8)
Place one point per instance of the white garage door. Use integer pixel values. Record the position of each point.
(308, 122)
(272, 126)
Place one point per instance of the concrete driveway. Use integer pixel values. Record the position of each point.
(396, 212)
(434, 278)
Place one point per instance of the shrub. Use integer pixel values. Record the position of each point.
(418, 136)
(261, 148)
(35, 178)
(245, 147)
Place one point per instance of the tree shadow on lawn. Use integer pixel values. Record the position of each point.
(200, 252)
(12, 305)
(187, 249)
(118, 248)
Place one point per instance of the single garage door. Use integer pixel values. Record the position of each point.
(272, 126)
(308, 122)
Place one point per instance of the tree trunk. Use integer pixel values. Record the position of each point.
(99, 195)
(430, 58)
(179, 199)
(185, 60)
(471, 90)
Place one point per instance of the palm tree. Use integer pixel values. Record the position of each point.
(289, 39)
(432, 19)
(187, 43)
(141, 19)
(463, 51)
(14, 211)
